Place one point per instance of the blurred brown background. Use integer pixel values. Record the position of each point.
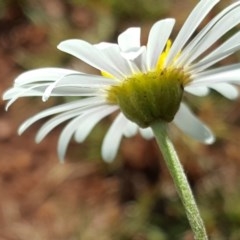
(134, 197)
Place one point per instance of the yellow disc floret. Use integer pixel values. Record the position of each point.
(147, 97)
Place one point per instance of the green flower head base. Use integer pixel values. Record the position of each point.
(142, 84)
(148, 97)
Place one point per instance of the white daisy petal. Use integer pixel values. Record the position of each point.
(113, 138)
(125, 60)
(146, 133)
(132, 55)
(60, 91)
(158, 36)
(206, 63)
(227, 90)
(91, 55)
(88, 123)
(136, 61)
(14, 93)
(114, 54)
(48, 126)
(66, 136)
(198, 91)
(55, 121)
(130, 129)
(129, 39)
(38, 90)
(41, 75)
(231, 76)
(73, 126)
(191, 125)
(70, 128)
(89, 80)
(129, 43)
(226, 23)
(190, 25)
(223, 51)
(189, 50)
(76, 81)
(141, 61)
(218, 70)
(61, 108)
(74, 91)
(106, 45)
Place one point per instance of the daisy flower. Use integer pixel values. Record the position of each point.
(141, 84)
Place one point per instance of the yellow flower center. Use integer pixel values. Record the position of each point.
(151, 96)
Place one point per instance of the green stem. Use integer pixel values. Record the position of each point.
(180, 180)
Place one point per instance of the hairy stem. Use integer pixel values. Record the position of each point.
(175, 167)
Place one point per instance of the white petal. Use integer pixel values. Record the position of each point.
(206, 63)
(88, 123)
(91, 55)
(226, 23)
(218, 70)
(158, 36)
(48, 126)
(66, 136)
(42, 75)
(227, 90)
(129, 43)
(129, 39)
(114, 54)
(130, 129)
(192, 126)
(14, 93)
(78, 80)
(140, 61)
(190, 25)
(20, 92)
(125, 60)
(198, 91)
(227, 48)
(191, 48)
(228, 76)
(106, 45)
(75, 91)
(146, 133)
(57, 109)
(113, 138)
(38, 90)
(89, 80)
(69, 130)
(133, 54)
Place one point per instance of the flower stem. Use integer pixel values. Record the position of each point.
(180, 180)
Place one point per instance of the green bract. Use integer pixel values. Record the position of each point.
(147, 97)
